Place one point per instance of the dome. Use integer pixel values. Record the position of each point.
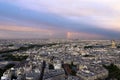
(12, 69)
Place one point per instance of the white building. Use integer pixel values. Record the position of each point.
(58, 65)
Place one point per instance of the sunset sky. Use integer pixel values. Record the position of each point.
(83, 19)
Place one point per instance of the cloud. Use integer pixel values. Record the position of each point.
(23, 32)
(67, 7)
(81, 35)
(89, 11)
(23, 29)
(76, 16)
(11, 31)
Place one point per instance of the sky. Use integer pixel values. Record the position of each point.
(69, 19)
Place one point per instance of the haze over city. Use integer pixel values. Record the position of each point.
(83, 19)
(59, 40)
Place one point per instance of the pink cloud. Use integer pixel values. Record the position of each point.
(81, 35)
(28, 32)
(21, 28)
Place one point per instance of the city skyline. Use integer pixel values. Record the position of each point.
(60, 19)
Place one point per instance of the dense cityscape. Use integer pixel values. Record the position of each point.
(59, 39)
(59, 59)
